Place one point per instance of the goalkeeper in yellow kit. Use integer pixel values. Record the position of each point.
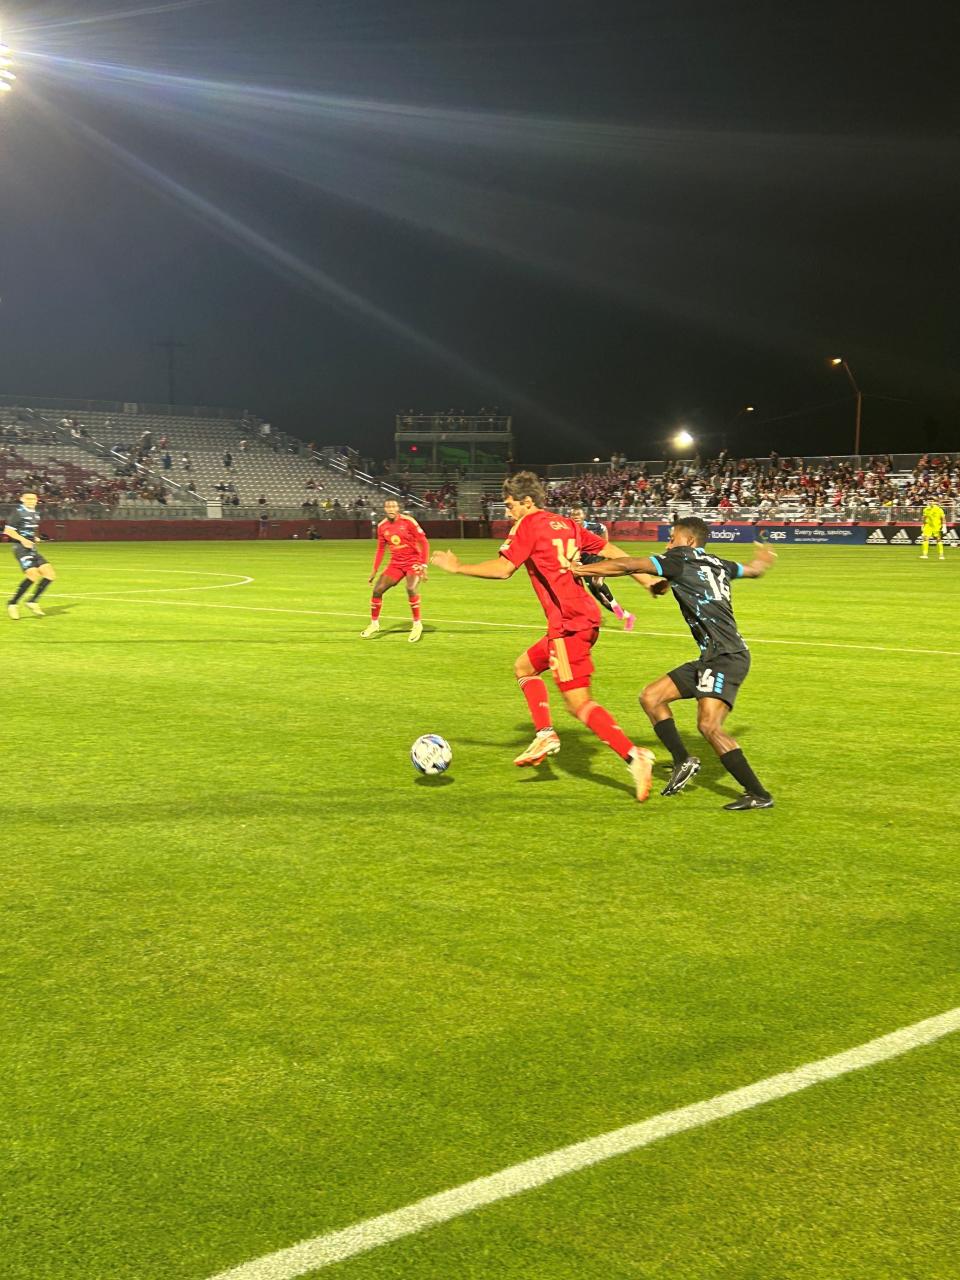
(934, 527)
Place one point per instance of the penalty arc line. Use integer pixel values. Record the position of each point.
(372, 1233)
(477, 622)
(243, 581)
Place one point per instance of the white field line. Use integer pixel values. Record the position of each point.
(476, 622)
(242, 581)
(372, 1233)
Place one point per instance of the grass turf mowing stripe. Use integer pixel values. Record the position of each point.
(372, 1233)
(469, 622)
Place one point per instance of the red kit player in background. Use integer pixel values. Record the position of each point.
(547, 544)
(409, 552)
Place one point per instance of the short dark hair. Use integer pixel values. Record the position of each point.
(525, 484)
(699, 528)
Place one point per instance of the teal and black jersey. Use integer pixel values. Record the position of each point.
(26, 523)
(701, 585)
(600, 529)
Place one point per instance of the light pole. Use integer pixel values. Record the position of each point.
(839, 362)
(172, 346)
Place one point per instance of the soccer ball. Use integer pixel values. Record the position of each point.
(431, 754)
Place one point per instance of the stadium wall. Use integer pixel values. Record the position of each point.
(118, 530)
(439, 530)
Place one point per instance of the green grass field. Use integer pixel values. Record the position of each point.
(260, 981)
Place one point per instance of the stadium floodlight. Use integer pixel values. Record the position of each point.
(7, 76)
(683, 439)
(838, 362)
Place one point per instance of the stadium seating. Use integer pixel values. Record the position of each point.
(117, 458)
(263, 463)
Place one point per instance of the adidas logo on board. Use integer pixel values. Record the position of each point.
(901, 537)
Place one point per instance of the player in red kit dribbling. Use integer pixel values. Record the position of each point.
(409, 551)
(547, 544)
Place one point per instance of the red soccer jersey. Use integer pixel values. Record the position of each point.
(404, 539)
(546, 544)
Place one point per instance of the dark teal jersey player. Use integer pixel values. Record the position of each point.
(23, 529)
(701, 585)
(596, 586)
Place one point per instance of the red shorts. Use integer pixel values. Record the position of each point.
(396, 572)
(568, 657)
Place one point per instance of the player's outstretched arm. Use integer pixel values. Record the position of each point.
(499, 568)
(618, 565)
(763, 559)
(651, 581)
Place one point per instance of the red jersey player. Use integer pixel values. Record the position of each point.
(547, 544)
(409, 551)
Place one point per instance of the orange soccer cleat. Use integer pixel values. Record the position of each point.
(640, 765)
(546, 743)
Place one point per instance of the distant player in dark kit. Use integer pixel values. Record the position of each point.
(596, 586)
(701, 586)
(23, 529)
(409, 550)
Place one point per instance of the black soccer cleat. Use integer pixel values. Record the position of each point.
(682, 773)
(747, 801)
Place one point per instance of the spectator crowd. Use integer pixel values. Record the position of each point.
(752, 488)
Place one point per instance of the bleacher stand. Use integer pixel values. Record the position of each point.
(98, 462)
(167, 457)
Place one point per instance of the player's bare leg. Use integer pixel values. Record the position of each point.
(655, 700)
(711, 713)
(47, 575)
(546, 741)
(30, 578)
(639, 760)
(413, 597)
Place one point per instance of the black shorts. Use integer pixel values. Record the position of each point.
(719, 677)
(27, 557)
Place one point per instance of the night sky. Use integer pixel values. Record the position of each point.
(610, 219)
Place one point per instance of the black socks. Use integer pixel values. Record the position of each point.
(23, 588)
(735, 763)
(669, 735)
(41, 588)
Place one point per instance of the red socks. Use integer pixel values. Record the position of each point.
(376, 604)
(599, 721)
(415, 607)
(535, 692)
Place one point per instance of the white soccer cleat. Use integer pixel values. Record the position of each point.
(13, 611)
(416, 631)
(546, 743)
(370, 629)
(35, 608)
(641, 766)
